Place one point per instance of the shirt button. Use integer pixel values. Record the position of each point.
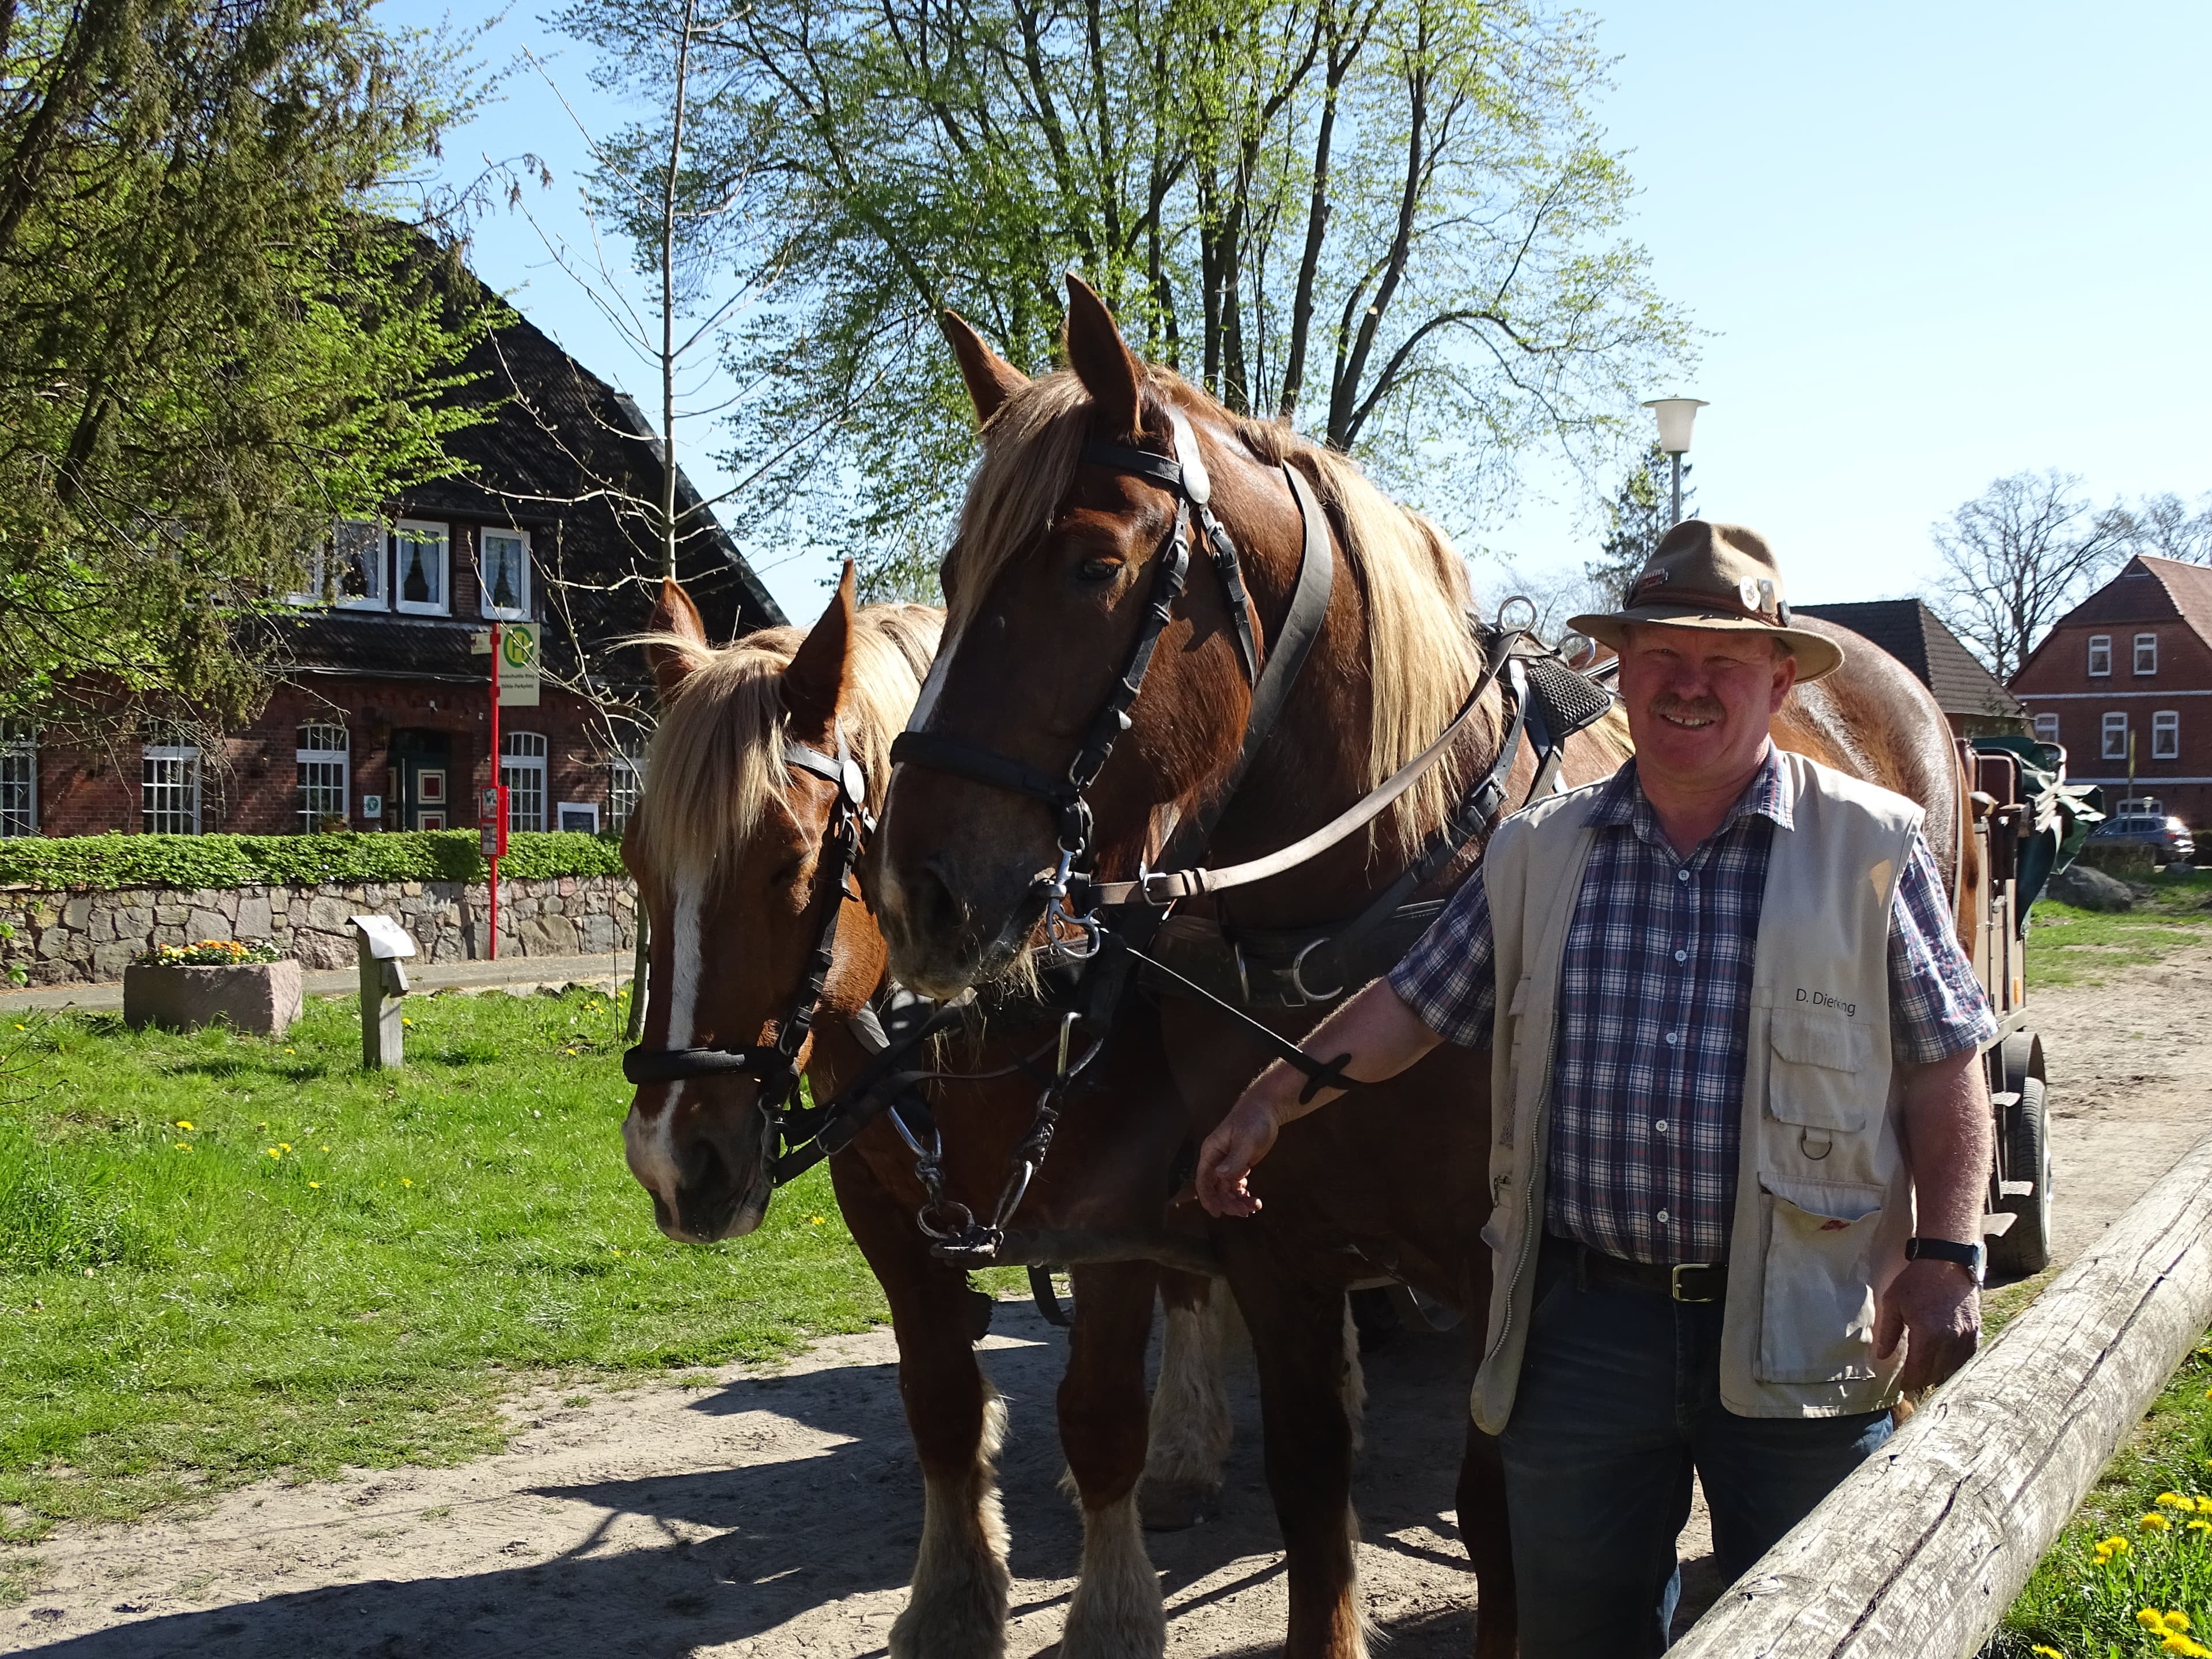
(1661, 1125)
(1681, 956)
(1671, 1038)
(1663, 1218)
(1681, 875)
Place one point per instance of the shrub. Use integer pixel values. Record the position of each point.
(103, 862)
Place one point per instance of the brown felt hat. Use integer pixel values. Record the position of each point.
(1715, 576)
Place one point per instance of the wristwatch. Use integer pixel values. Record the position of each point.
(1974, 1258)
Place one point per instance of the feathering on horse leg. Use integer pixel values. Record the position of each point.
(1117, 1612)
(957, 1608)
(1188, 1447)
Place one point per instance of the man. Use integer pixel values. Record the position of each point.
(1740, 1138)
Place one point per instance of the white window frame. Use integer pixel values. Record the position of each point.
(320, 576)
(2100, 648)
(422, 530)
(2046, 728)
(312, 749)
(19, 779)
(2146, 643)
(566, 807)
(522, 769)
(502, 613)
(2114, 745)
(2166, 734)
(625, 785)
(187, 757)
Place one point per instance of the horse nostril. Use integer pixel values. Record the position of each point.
(938, 913)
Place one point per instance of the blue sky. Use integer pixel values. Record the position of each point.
(1930, 244)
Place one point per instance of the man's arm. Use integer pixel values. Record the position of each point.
(1935, 1305)
(1380, 1033)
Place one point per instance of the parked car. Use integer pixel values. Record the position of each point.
(2168, 838)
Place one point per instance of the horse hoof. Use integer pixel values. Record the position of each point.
(1174, 1506)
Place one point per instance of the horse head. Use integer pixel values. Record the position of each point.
(1091, 479)
(735, 849)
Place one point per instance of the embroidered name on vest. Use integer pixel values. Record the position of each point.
(1822, 999)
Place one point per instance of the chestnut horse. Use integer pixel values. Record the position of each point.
(728, 848)
(1049, 580)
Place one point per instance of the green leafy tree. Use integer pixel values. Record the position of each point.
(1641, 512)
(1392, 222)
(214, 335)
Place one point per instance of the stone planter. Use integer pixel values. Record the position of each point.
(258, 997)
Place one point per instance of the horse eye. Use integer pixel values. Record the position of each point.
(1098, 570)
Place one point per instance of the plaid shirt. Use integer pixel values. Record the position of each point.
(1655, 995)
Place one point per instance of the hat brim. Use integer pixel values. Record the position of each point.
(1817, 654)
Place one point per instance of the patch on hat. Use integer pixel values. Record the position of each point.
(1651, 579)
(1747, 591)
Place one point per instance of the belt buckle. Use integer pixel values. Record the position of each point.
(1674, 1281)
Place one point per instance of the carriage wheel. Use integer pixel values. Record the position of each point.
(2024, 1248)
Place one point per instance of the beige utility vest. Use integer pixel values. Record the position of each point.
(1824, 1200)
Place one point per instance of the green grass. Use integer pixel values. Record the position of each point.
(2071, 946)
(185, 1309)
(2085, 1608)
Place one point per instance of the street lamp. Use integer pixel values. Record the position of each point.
(1675, 415)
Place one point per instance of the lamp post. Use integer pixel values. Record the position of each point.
(1675, 415)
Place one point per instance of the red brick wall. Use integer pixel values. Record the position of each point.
(252, 786)
(2057, 682)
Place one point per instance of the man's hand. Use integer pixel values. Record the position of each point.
(1936, 1308)
(1240, 1141)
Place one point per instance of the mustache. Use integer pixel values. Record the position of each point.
(1696, 709)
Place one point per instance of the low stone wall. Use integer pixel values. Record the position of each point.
(65, 938)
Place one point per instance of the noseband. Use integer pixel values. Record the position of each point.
(774, 1068)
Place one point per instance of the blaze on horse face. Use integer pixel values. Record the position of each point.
(732, 926)
(957, 890)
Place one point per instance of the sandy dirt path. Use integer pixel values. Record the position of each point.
(775, 1514)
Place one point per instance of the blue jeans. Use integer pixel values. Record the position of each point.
(1619, 1400)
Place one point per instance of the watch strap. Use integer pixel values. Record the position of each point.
(1969, 1256)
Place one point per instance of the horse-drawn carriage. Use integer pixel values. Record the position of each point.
(781, 909)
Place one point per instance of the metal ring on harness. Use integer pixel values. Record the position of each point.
(1299, 974)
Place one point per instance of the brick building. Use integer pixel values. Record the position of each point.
(1973, 700)
(380, 717)
(2131, 665)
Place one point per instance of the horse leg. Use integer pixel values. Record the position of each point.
(1299, 1339)
(957, 1605)
(1117, 1613)
(1187, 1448)
(1481, 1500)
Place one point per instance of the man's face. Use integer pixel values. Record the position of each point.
(1699, 699)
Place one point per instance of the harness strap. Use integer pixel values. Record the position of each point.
(1166, 886)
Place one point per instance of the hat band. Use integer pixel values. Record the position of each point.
(1731, 603)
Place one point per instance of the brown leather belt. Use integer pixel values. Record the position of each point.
(1679, 1281)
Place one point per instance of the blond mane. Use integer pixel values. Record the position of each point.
(1422, 657)
(716, 763)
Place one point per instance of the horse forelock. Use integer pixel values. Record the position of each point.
(1413, 583)
(716, 761)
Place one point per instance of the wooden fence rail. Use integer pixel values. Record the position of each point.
(1920, 1551)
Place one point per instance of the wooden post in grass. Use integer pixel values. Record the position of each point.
(381, 943)
(1922, 1550)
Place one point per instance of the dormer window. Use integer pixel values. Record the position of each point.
(2146, 653)
(2100, 655)
(503, 573)
(348, 568)
(418, 568)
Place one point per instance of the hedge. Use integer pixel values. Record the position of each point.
(102, 862)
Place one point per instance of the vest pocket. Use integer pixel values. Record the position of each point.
(1816, 1319)
(1815, 1077)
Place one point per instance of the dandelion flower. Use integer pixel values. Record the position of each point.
(2041, 1652)
(2150, 1618)
(2174, 1500)
(326, 1149)
(2177, 1642)
(19, 1028)
(315, 1183)
(286, 1144)
(273, 1152)
(404, 1020)
(2153, 1522)
(814, 1221)
(184, 1146)
(2176, 1620)
(291, 1051)
(184, 1124)
(405, 1182)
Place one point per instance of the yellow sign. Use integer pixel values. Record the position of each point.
(518, 664)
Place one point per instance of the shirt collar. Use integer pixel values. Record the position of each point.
(1621, 803)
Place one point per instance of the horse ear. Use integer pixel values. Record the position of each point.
(1101, 359)
(815, 683)
(674, 614)
(991, 379)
